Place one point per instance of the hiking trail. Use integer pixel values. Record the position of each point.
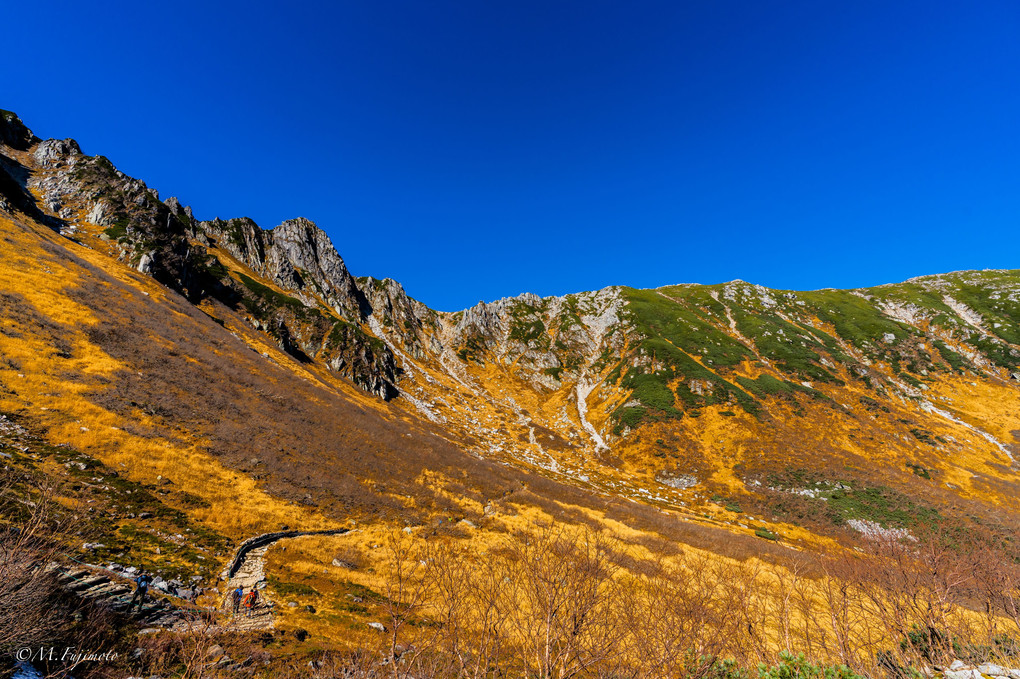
(247, 570)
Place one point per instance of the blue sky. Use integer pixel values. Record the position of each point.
(474, 150)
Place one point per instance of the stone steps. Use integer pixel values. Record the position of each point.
(115, 594)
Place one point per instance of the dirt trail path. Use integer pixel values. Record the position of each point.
(247, 570)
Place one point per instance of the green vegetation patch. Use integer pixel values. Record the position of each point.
(658, 401)
(856, 320)
(266, 300)
(655, 316)
(767, 385)
(881, 505)
(285, 588)
(999, 353)
(921, 471)
(839, 501)
(473, 349)
(344, 334)
(956, 361)
(792, 348)
(129, 522)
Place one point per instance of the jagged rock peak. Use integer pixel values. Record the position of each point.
(309, 248)
(175, 207)
(296, 255)
(14, 133)
(53, 153)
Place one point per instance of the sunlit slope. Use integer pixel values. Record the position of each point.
(731, 405)
(683, 393)
(192, 404)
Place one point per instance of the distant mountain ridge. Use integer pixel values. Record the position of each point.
(654, 394)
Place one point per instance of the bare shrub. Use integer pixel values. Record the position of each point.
(568, 602)
(349, 556)
(32, 610)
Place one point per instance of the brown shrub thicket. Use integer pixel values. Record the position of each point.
(555, 604)
(27, 588)
(34, 610)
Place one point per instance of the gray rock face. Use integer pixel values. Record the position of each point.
(402, 319)
(296, 255)
(54, 153)
(550, 340)
(145, 264)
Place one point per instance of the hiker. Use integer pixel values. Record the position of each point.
(236, 596)
(251, 600)
(141, 588)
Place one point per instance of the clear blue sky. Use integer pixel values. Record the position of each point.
(479, 149)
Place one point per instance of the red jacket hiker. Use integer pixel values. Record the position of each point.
(250, 600)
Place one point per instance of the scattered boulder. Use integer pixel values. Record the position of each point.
(377, 626)
(145, 264)
(961, 670)
(675, 480)
(215, 651)
(993, 670)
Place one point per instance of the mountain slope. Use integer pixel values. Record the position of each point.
(256, 355)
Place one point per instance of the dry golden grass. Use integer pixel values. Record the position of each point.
(54, 392)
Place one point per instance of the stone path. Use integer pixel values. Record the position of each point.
(161, 611)
(99, 586)
(247, 570)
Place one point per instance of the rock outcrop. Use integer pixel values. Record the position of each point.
(296, 255)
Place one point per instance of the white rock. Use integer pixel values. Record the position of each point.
(962, 674)
(678, 481)
(377, 626)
